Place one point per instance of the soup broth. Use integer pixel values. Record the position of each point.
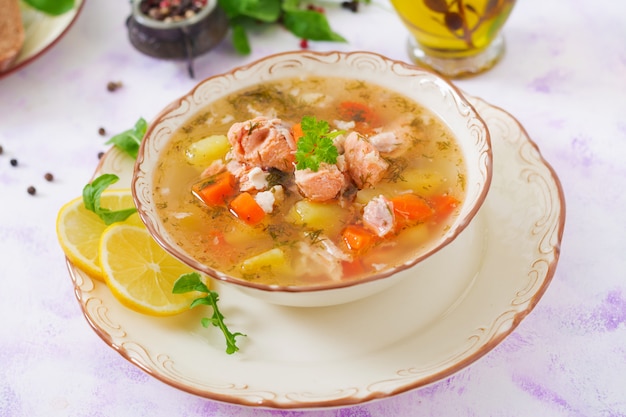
(395, 186)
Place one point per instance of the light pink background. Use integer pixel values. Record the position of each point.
(564, 78)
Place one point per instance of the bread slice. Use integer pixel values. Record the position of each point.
(11, 33)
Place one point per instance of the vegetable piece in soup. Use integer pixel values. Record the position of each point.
(308, 181)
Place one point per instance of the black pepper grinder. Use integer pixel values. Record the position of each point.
(176, 29)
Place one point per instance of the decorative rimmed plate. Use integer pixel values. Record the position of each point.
(415, 333)
(41, 32)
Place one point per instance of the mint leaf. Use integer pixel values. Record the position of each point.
(91, 199)
(240, 40)
(262, 10)
(129, 140)
(93, 190)
(234, 8)
(290, 5)
(51, 7)
(303, 23)
(309, 24)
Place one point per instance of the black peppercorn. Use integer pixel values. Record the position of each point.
(114, 85)
(100, 155)
(13, 162)
(49, 177)
(351, 5)
(31, 190)
(1, 150)
(102, 132)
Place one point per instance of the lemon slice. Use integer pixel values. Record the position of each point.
(79, 229)
(140, 273)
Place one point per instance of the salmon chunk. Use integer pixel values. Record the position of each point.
(378, 216)
(365, 165)
(215, 168)
(323, 185)
(385, 142)
(263, 142)
(323, 257)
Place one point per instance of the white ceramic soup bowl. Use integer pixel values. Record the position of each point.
(422, 86)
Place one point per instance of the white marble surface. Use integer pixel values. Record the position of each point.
(563, 78)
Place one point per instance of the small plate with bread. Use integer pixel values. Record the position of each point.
(26, 33)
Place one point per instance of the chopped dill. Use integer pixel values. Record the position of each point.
(460, 177)
(396, 169)
(355, 85)
(197, 121)
(314, 235)
(276, 231)
(417, 123)
(262, 95)
(201, 119)
(249, 276)
(277, 177)
(403, 104)
(253, 126)
(443, 145)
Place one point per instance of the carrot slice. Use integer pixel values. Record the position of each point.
(357, 237)
(361, 113)
(220, 248)
(216, 189)
(245, 207)
(412, 207)
(352, 268)
(296, 131)
(443, 205)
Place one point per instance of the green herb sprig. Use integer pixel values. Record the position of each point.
(129, 140)
(316, 146)
(302, 22)
(51, 7)
(91, 199)
(192, 282)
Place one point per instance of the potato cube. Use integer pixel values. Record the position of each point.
(203, 152)
(329, 218)
(268, 262)
(422, 182)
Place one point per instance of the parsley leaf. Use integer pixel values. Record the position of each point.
(129, 140)
(192, 282)
(91, 200)
(316, 146)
